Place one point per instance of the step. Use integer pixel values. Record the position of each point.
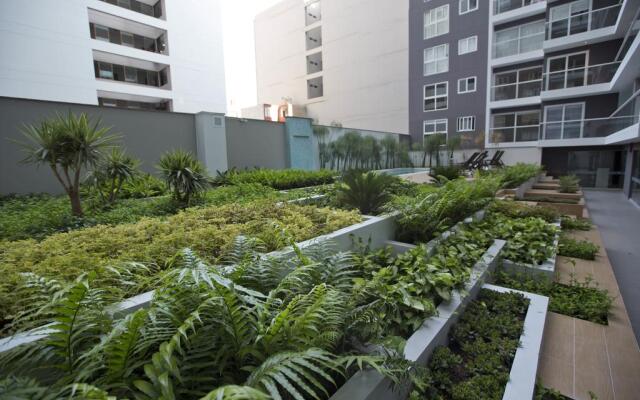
(546, 186)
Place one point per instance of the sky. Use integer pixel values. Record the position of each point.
(239, 51)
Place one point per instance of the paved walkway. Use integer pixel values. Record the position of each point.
(619, 224)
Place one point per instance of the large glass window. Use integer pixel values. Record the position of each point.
(123, 73)
(467, 85)
(436, 59)
(436, 126)
(105, 70)
(597, 168)
(519, 39)
(436, 96)
(101, 32)
(522, 126)
(465, 6)
(436, 22)
(517, 84)
(569, 19)
(501, 6)
(138, 6)
(563, 121)
(567, 71)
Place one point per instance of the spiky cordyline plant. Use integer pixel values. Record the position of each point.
(203, 335)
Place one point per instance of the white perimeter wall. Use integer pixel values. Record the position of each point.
(365, 57)
(46, 52)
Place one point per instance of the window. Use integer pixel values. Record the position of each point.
(519, 39)
(569, 19)
(106, 71)
(436, 126)
(314, 38)
(467, 45)
(436, 96)
(517, 84)
(101, 32)
(130, 74)
(522, 126)
(567, 71)
(312, 13)
(436, 59)
(467, 85)
(563, 121)
(127, 39)
(436, 22)
(315, 88)
(314, 63)
(466, 6)
(466, 124)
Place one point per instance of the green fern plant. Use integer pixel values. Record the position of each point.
(367, 192)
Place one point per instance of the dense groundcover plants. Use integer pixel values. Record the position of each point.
(208, 230)
(277, 179)
(482, 345)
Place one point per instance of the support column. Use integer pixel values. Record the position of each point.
(300, 143)
(211, 141)
(628, 171)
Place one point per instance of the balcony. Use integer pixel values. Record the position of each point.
(581, 80)
(510, 10)
(595, 128)
(503, 6)
(574, 23)
(517, 88)
(518, 44)
(130, 74)
(152, 9)
(129, 39)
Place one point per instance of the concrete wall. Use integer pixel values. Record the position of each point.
(364, 55)
(145, 135)
(255, 143)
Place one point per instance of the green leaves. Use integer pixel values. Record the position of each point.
(583, 249)
(367, 192)
(569, 184)
(184, 174)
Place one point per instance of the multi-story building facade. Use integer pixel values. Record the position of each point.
(560, 80)
(447, 69)
(149, 54)
(564, 82)
(336, 61)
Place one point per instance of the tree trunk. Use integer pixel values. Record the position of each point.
(76, 205)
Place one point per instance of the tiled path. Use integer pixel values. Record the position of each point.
(579, 357)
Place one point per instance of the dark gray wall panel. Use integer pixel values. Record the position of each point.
(255, 143)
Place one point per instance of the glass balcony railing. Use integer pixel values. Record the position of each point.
(580, 76)
(519, 90)
(138, 6)
(573, 18)
(519, 39)
(502, 6)
(585, 128)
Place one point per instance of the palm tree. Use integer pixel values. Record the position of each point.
(184, 174)
(112, 172)
(67, 144)
(367, 192)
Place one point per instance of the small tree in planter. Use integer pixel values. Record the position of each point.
(184, 174)
(111, 173)
(67, 144)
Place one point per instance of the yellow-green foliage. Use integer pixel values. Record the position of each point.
(206, 230)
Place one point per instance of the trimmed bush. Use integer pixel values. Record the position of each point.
(583, 249)
(207, 230)
(516, 175)
(569, 184)
(279, 179)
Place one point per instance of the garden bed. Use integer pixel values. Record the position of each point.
(546, 269)
(567, 207)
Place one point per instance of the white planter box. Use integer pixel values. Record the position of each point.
(546, 270)
(370, 385)
(522, 378)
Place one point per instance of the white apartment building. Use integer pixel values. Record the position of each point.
(151, 54)
(336, 61)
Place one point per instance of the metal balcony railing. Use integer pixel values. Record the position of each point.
(581, 76)
(585, 128)
(581, 21)
(502, 6)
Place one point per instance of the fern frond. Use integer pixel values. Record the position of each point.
(308, 372)
(243, 249)
(232, 392)
(36, 296)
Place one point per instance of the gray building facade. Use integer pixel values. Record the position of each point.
(448, 49)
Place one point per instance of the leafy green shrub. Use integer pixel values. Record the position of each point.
(516, 175)
(395, 296)
(529, 240)
(185, 176)
(482, 346)
(367, 192)
(38, 216)
(583, 300)
(515, 209)
(450, 172)
(261, 342)
(143, 186)
(545, 199)
(543, 393)
(421, 218)
(280, 179)
(110, 174)
(569, 184)
(583, 249)
(208, 230)
(576, 224)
